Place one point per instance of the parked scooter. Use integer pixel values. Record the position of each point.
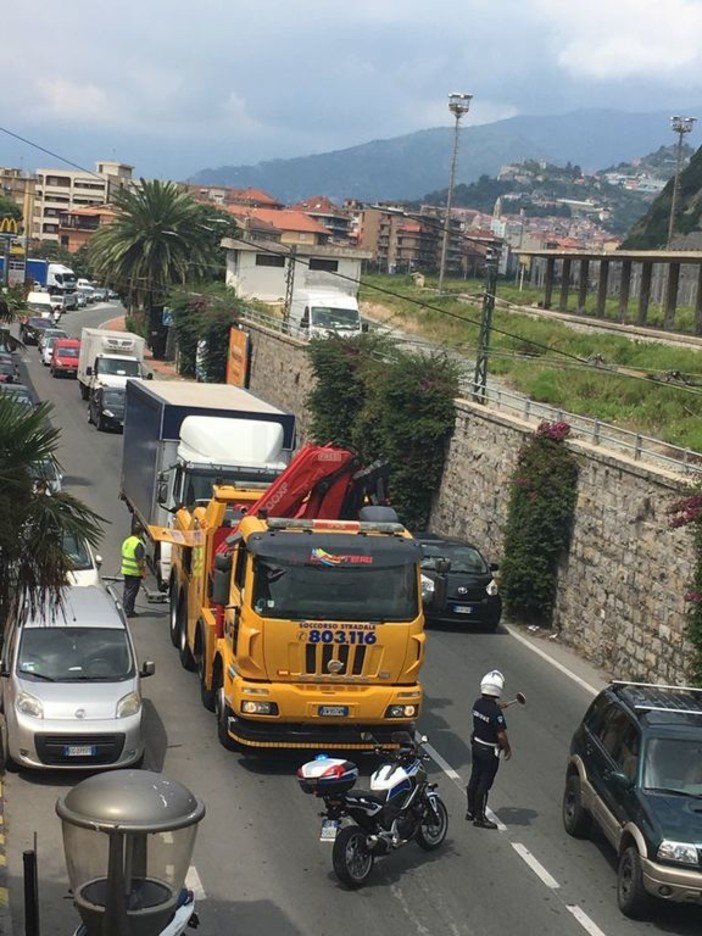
(183, 917)
(401, 807)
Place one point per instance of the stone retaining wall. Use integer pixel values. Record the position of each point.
(620, 597)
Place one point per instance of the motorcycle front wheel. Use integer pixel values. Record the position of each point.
(352, 861)
(433, 826)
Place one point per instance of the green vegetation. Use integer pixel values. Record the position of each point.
(160, 237)
(644, 387)
(33, 565)
(688, 512)
(204, 314)
(385, 403)
(539, 524)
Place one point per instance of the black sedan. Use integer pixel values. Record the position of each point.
(32, 328)
(106, 408)
(458, 584)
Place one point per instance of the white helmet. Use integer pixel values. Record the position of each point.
(492, 683)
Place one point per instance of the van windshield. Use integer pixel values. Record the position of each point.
(119, 367)
(333, 317)
(74, 654)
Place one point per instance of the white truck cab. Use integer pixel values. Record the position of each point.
(317, 313)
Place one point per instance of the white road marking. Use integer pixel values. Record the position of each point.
(559, 666)
(584, 920)
(535, 866)
(193, 883)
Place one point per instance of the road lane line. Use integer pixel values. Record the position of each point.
(193, 883)
(535, 866)
(549, 659)
(584, 920)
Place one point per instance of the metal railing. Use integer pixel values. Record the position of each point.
(634, 445)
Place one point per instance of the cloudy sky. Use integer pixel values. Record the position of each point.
(174, 87)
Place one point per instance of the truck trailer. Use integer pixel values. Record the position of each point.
(181, 438)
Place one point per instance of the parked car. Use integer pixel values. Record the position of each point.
(71, 689)
(31, 328)
(18, 392)
(458, 583)
(85, 563)
(635, 770)
(50, 333)
(81, 299)
(106, 408)
(48, 471)
(112, 295)
(8, 371)
(64, 357)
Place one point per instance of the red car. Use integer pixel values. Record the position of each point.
(64, 357)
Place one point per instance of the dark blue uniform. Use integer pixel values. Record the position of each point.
(488, 723)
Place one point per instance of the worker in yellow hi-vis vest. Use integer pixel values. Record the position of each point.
(133, 568)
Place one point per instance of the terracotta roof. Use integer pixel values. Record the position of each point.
(288, 220)
(318, 203)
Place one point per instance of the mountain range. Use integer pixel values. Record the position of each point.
(407, 167)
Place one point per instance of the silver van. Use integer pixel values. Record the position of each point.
(70, 687)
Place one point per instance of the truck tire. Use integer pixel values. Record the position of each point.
(207, 696)
(187, 661)
(173, 601)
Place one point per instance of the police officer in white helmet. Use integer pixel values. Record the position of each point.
(488, 741)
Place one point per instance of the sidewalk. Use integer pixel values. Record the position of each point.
(163, 370)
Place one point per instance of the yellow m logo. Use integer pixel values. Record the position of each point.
(8, 226)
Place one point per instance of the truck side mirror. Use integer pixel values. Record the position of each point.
(88, 372)
(220, 587)
(149, 375)
(162, 492)
(148, 668)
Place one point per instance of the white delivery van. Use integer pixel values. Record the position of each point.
(42, 303)
(316, 313)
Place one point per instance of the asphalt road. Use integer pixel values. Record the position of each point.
(258, 860)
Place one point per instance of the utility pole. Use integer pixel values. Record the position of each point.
(681, 126)
(459, 104)
(492, 257)
(289, 287)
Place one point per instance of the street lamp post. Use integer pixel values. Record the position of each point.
(459, 104)
(681, 126)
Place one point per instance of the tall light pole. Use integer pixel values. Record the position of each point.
(681, 126)
(459, 104)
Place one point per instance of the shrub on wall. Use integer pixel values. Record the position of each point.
(542, 502)
(687, 511)
(205, 315)
(383, 402)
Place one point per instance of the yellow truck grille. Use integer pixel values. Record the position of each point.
(348, 660)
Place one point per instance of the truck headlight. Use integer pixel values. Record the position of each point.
(401, 711)
(680, 852)
(427, 587)
(129, 705)
(249, 707)
(491, 588)
(28, 704)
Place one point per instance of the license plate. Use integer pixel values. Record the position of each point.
(463, 609)
(329, 829)
(338, 711)
(79, 750)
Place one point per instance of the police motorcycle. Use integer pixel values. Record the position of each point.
(183, 918)
(402, 806)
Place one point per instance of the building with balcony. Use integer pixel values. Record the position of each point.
(59, 191)
(77, 226)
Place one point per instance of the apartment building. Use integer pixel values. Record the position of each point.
(58, 191)
(78, 225)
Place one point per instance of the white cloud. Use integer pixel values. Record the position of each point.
(64, 99)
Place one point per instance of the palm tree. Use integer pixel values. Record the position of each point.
(160, 236)
(33, 564)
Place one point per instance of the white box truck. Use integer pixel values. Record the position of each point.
(180, 438)
(109, 358)
(317, 313)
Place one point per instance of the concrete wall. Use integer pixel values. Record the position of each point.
(620, 597)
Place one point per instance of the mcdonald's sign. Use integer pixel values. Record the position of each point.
(8, 226)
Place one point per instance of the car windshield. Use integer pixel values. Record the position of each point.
(673, 765)
(46, 469)
(113, 399)
(334, 592)
(77, 552)
(462, 558)
(72, 654)
(118, 367)
(331, 317)
(13, 392)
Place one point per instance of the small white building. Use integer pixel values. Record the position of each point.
(259, 269)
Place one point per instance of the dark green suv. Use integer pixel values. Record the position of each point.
(635, 769)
